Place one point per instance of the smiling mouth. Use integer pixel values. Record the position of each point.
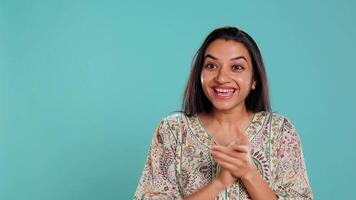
(224, 93)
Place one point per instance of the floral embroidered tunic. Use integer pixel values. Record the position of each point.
(179, 162)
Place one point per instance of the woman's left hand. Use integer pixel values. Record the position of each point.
(235, 158)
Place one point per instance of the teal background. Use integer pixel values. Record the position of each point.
(83, 84)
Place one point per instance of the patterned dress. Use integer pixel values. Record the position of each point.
(179, 162)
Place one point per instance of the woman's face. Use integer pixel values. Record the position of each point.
(227, 74)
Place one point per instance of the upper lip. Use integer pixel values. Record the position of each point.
(224, 87)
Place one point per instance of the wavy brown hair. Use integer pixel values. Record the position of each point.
(194, 99)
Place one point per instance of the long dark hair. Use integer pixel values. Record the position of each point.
(194, 99)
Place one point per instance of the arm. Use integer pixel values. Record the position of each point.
(257, 187)
(211, 191)
(159, 180)
(290, 175)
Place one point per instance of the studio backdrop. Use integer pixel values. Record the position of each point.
(83, 85)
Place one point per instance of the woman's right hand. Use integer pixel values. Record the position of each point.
(225, 177)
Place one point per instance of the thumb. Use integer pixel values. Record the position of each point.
(242, 138)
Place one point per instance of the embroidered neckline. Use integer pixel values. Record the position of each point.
(204, 137)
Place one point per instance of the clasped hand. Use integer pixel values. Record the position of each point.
(235, 162)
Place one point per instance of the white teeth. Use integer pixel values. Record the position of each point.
(224, 90)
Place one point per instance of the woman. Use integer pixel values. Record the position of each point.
(226, 143)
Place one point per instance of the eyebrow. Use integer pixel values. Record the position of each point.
(235, 58)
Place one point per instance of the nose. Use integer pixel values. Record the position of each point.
(222, 76)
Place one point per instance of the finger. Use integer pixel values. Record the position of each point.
(231, 168)
(215, 147)
(225, 150)
(239, 153)
(243, 139)
(226, 158)
(240, 148)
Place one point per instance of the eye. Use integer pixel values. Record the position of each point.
(210, 66)
(237, 67)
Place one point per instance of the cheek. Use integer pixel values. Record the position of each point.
(243, 81)
(205, 79)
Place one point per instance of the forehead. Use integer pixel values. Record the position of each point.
(225, 50)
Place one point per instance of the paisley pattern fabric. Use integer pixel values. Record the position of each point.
(179, 162)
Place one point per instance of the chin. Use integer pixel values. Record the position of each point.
(220, 107)
(228, 105)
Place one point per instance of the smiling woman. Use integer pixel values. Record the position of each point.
(226, 143)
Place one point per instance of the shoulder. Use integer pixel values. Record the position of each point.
(277, 118)
(280, 125)
(274, 117)
(172, 125)
(270, 119)
(286, 129)
(173, 120)
(174, 117)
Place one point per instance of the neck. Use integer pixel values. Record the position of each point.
(232, 118)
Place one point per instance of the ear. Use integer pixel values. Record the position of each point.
(253, 85)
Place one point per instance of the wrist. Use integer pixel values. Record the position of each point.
(250, 175)
(218, 184)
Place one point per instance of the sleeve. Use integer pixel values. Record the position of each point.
(291, 179)
(159, 177)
